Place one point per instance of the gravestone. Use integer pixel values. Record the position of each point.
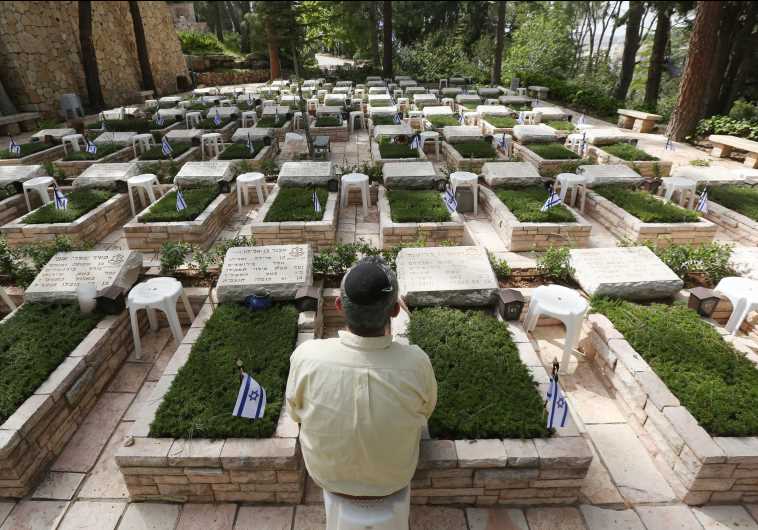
(279, 269)
(186, 136)
(442, 110)
(461, 133)
(111, 176)
(409, 175)
(195, 174)
(305, 174)
(172, 113)
(11, 174)
(511, 173)
(256, 134)
(66, 271)
(534, 134)
(744, 260)
(609, 174)
(632, 273)
(223, 112)
(453, 276)
(493, 110)
(56, 135)
(120, 138)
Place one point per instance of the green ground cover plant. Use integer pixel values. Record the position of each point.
(741, 199)
(8, 191)
(500, 122)
(30, 352)
(397, 151)
(296, 204)
(475, 149)
(164, 211)
(711, 260)
(208, 123)
(443, 121)
(383, 120)
(240, 151)
(417, 206)
(138, 125)
(629, 153)
(555, 264)
(553, 151)
(525, 204)
(156, 152)
(79, 203)
(103, 150)
(26, 150)
(644, 206)
(271, 121)
(328, 121)
(473, 355)
(716, 383)
(561, 125)
(202, 397)
(20, 265)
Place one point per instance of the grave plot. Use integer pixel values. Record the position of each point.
(289, 214)
(735, 210)
(49, 386)
(34, 152)
(466, 149)
(437, 118)
(181, 152)
(226, 127)
(12, 203)
(493, 123)
(76, 162)
(186, 450)
(264, 147)
(467, 102)
(411, 208)
(540, 146)
(278, 118)
(328, 122)
(392, 143)
(629, 155)
(479, 454)
(137, 125)
(638, 216)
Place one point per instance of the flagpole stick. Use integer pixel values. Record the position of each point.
(240, 366)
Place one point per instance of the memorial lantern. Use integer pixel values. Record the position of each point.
(510, 304)
(703, 300)
(306, 299)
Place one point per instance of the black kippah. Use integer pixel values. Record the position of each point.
(367, 283)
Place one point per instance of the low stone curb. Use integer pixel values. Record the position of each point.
(646, 168)
(455, 160)
(40, 157)
(73, 168)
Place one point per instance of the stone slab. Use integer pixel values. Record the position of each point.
(456, 276)
(745, 261)
(442, 110)
(279, 269)
(633, 273)
(724, 517)
(712, 175)
(607, 519)
(66, 271)
(11, 174)
(468, 98)
(609, 174)
(254, 133)
(534, 134)
(461, 133)
(493, 110)
(184, 135)
(500, 519)
(204, 173)
(551, 113)
(223, 112)
(392, 130)
(511, 173)
(106, 175)
(409, 174)
(56, 134)
(606, 136)
(120, 138)
(306, 174)
(677, 517)
(172, 113)
(150, 516)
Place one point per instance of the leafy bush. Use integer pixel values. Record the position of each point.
(272, 122)
(628, 152)
(328, 121)
(156, 152)
(103, 150)
(741, 199)
(373, 170)
(744, 111)
(208, 123)
(581, 95)
(164, 211)
(554, 264)
(726, 125)
(20, 265)
(700, 163)
(443, 121)
(644, 206)
(240, 151)
(383, 120)
(196, 43)
(26, 150)
(296, 204)
(716, 383)
(204, 392)
(525, 203)
(561, 125)
(417, 206)
(475, 149)
(553, 151)
(472, 353)
(500, 122)
(501, 268)
(708, 259)
(138, 125)
(173, 255)
(397, 151)
(79, 203)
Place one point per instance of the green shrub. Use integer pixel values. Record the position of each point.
(164, 211)
(501, 268)
(417, 206)
(443, 121)
(525, 204)
(554, 264)
(644, 206)
(726, 125)
(708, 259)
(202, 396)
(397, 151)
(296, 204)
(173, 255)
(103, 150)
(500, 122)
(744, 110)
(628, 152)
(20, 265)
(138, 125)
(328, 121)
(271, 122)
(79, 203)
(700, 163)
(716, 383)
(156, 152)
(196, 43)
(9, 190)
(553, 151)
(240, 151)
(561, 125)
(741, 199)
(475, 149)
(336, 260)
(26, 150)
(383, 120)
(33, 343)
(208, 123)
(473, 355)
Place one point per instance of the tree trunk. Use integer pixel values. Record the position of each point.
(218, 8)
(89, 57)
(657, 56)
(139, 37)
(497, 67)
(273, 50)
(726, 41)
(631, 45)
(374, 35)
(700, 59)
(742, 60)
(387, 24)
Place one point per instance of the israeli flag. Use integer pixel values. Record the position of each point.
(583, 147)
(397, 119)
(13, 147)
(251, 399)
(462, 119)
(449, 198)
(166, 148)
(217, 119)
(557, 412)
(416, 141)
(502, 143)
(552, 200)
(180, 203)
(520, 119)
(669, 144)
(91, 147)
(61, 201)
(580, 121)
(158, 119)
(250, 146)
(316, 203)
(702, 202)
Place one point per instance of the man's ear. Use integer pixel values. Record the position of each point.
(338, 304)
(395, 310)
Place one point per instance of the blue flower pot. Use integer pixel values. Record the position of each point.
(258, 302)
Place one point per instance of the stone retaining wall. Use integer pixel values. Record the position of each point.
(376, 156)
(738, 226)
(657, 168)
(40, 157)
(193, 153)
(75, 168)
(520, 236)
(233, 77)
(456, 161)
(90, 227)
(335, 134)
(545, 167)
(626, 226)
(15, 206)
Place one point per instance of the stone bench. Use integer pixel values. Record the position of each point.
(724, 144)
(637, 120)
(15, 123)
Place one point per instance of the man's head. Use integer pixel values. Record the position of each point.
(369, 297)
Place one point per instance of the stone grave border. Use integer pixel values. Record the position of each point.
(14, 206)
(280, 132)
(90, 227)
(737, 225)
(543, 165)
(711, 469)
(456, 161)
(335, 134)
(489, 129)
(319, 234)
(189, 155)
(268, 152)
(646, 168)
(74, 168)
(226, 131)
(520, 236)
(392, 234)
(149, 237)
(376, 156)
(624, 225)
(40, 157)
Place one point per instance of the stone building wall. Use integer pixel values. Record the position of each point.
(40, 53)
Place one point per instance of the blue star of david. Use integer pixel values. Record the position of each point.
(561, 403)
(253, 395)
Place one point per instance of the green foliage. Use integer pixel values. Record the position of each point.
(417, 206)
(502, 270)
(708, 259)
(541, 44)
(196, 43)
(272, 121)
(554, 264)
(397, 151)
(208, 123)
(475, 149)
(561, 125)
(26, 150)
(79, 203)
(240, 151)
(20, 265)
(629, 152)
(336, 260)
(156, 152)
(164, 211)
(583, 95)
(296, 204)
(328, 121)
(138, 125)
(32, 344)
(726, 125)
(438, 56)
(525, 204)
(553, 151)
(443, 121)
(103, 150)
(473, 355)
(741, 199)
(644, 206)
(9, 190)
(744, 111)
(383, 120)
(700, 163)
(173, 255)
(373, 170)
(716, 383)
(269, 168)
(500, 122)
(203, 394)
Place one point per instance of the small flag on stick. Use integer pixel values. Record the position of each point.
(397, 119)
(552, 200)
(166, 148)
(316, 203)
(180, 203)
(669, 144)
(61, 201)
(416, 141)
(91, 147)
(520, 119)
(251, 399)
(13, 147)
(580, 121)
(217, 119)
(158, 119)
(557, 407)
(450, 200)
(503, 144)
(702, 202)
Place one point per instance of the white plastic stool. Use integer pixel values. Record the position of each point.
(575, 143)
(297, 120)
(743, 294)
(184, 104)
(471, 118)
(403, 104)
(225, 103)
(141, 143)
(387, 513)
(352, 180)
(357, 114)
(161, 294)
(431, 136)
(247, 180)
(7, 299)
(72, 140)
(521, 91)
(670, 185)
(561, 303)
(151, 104)
(40, 185)
(568, 181)
(249, 115)
(192, 118)
(211, 140)
(532, 118)
(464, 178)
(450, 102)
(144, 184)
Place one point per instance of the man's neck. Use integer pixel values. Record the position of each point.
(369, 334)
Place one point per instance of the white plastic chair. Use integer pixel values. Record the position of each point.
(431, 136)
(521, 91)
(151, 104)
(39, 185)
(184, 104)
(212, 141)
(358, 180)
(249, 115)
(73, 141)
(144, 184)
(670, 185)
(157, 294)
(743, 294)
(357, 114)
(464, 178)
(563, 304)
(191, 119)
(244, 182)
(450, 102)
(532, 118)
(141, 143)
(387, 513)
